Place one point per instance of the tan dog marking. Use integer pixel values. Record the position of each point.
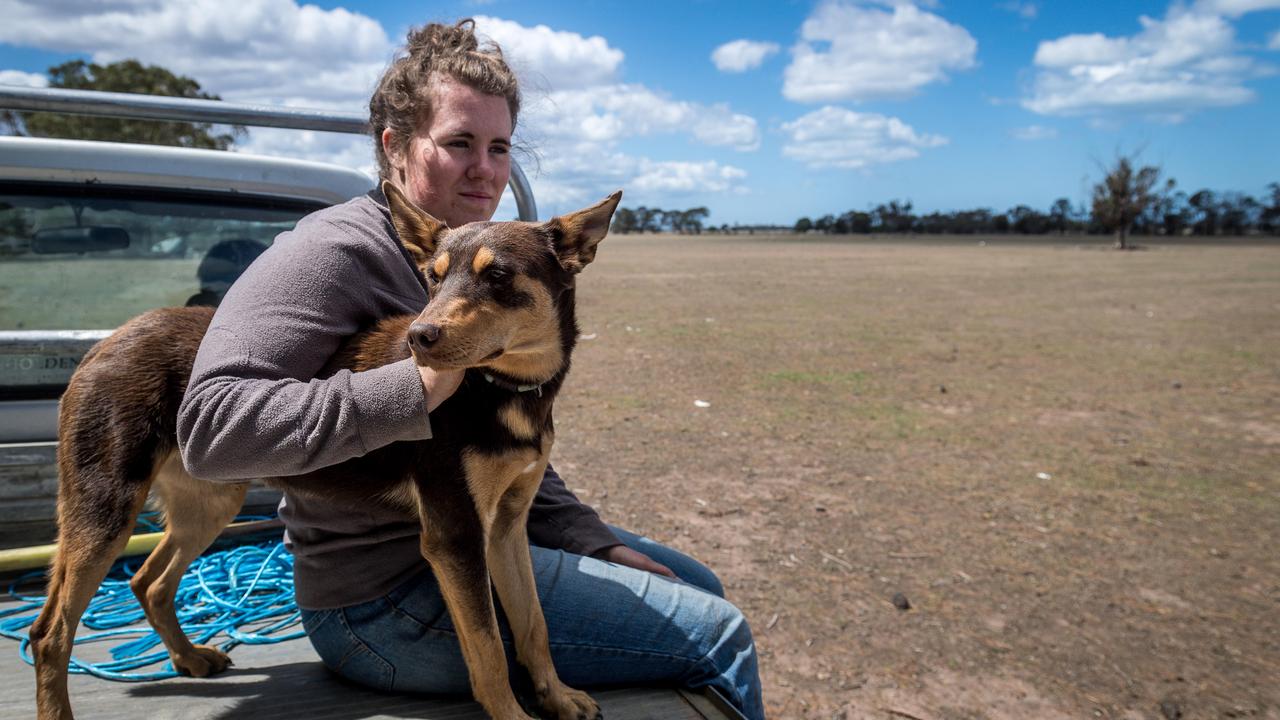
(517, 420)
(441, 265)
(489, 477)
(404, 495)
(534, 348)
(195, 512)
(482, 260)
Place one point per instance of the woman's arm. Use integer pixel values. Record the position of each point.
(254, 407)
(558, 519)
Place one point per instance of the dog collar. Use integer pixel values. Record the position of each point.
(512, 386)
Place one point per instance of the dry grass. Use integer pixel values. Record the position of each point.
(1085, 522)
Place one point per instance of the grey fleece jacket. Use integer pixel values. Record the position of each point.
(254, 407)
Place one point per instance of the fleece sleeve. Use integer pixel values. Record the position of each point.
(255, 407)
(559, 520)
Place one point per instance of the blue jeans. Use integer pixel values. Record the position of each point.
(608, 625)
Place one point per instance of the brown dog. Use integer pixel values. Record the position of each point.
(472, 484)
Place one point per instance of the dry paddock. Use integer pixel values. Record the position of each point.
(1066, 459)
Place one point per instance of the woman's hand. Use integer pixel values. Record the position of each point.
(439, 384)
(623, 555)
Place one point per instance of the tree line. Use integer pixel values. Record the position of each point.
(647, 219)
(1167, 211)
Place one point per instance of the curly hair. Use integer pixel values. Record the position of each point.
(402, 100)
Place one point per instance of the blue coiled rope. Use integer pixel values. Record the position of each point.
(239, 595)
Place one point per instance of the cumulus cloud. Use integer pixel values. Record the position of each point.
(854, 52)
(1034, 132)
(1184, 62)
(578, 111)
(283, 52)
(585, 172)
(613, 112)
(272, 51)
(836, 137)
(1236, 8)
(742, 55)
(563, 60)
(25, 79)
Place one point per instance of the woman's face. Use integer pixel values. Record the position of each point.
(457, 165)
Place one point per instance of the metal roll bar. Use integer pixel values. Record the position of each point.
(156, 107)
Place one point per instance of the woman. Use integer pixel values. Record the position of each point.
(261, 403)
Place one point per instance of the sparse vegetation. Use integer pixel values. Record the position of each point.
(1063, 458)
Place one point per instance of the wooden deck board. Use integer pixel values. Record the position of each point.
(286, 681)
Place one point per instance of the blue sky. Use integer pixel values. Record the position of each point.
(765, 111)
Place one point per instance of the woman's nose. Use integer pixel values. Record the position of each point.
(482, 168)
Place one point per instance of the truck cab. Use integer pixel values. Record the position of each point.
(94, 233)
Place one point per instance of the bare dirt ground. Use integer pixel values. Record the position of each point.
(1065, 459)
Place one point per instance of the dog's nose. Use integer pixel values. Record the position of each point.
(423, 335)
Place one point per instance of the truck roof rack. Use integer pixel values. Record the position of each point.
(156, 107)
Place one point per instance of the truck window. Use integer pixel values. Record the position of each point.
(90, 257)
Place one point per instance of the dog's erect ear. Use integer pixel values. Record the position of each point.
(417, 229)
(577, 234)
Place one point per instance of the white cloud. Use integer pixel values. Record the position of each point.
(1024, 10)
(1184, 62)
(1034, 132)
(836, 137)
(564, 60)
(613, 112)
(853, 52)
(351, 151)
(1274, 44)
(1236, 8)
(579, 117)
(577, 110)
(585, 172)
(25, 79)
(742, 55)
(265, 51)
(684, 177)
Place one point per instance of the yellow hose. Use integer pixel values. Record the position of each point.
(38, 556)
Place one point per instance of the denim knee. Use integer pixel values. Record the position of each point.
(729, 662)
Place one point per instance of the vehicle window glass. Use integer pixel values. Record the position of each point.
(84, 261)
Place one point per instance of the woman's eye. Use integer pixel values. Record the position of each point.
(499, 150)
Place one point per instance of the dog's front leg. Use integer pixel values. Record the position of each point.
(453, 540)
(512, 570)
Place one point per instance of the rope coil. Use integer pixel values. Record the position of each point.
(242, 595)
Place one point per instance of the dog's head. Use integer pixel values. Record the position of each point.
(497, 289)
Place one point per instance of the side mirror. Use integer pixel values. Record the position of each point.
(92, 238)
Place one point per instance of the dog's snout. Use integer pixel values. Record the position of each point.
(423, 335)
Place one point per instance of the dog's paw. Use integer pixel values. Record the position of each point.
(203, 662)
(565, 703)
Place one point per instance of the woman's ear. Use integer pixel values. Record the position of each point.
(395, 157)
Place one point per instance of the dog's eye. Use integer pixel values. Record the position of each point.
(498, 274)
